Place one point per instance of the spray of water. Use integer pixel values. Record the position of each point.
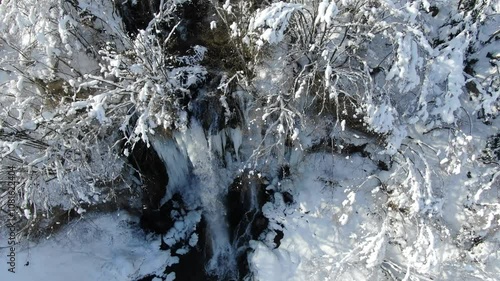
(195, 172)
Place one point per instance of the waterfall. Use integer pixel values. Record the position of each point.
(196, 173)
(246, 209)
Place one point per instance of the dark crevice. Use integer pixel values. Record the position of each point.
(152, 172)
(246, 196)
(137, 17)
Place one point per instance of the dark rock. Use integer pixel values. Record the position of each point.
(278, 237)
(191, 266)
(147, 278)
(246, 196)
(212, 115)
(434, 11)
(491, 152)
(137, 17)
(156, 221)
(193, 14)
(350, 148)
(161, 220)
(284, 172)
(152, 172)
(382, 165)
(287, 197)
(259, 224)
(243, 266)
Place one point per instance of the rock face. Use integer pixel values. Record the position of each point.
(190, 14)
(213, 116)
(161, 220)
(154, 177)
(245, 198)
(137, 16)
(152, 173)
(191, 265)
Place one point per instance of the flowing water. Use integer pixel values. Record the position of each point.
(195, 170)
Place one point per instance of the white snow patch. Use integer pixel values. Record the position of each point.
(102, 248)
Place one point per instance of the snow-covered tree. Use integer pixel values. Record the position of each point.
(383, 113)
(75, 89)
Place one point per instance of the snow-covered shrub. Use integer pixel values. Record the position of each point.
(316, 59)
(62, 158)
(78, 86)
(400, 69)
(382, 65)
(150, 86)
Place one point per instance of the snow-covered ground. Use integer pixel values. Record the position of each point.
(331, 212)
(103, 247)
(336, 230)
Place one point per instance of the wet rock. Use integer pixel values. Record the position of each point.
(491, 152)
(148, 278)
(434, 11)
(137, 16)
(192, 258)
(246, 196)
(278, 237)
(382, 165)
(156, 221)
(243, 266)
(350, 149)
(152, 172)
(161, 220)
(191, 266)
(193, 14)
(287, 197)
(212, 115)
(259, 224)
(284, 172)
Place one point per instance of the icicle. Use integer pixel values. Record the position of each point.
(236, 138)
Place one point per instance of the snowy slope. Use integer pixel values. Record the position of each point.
(336, 231)
(106, 247)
